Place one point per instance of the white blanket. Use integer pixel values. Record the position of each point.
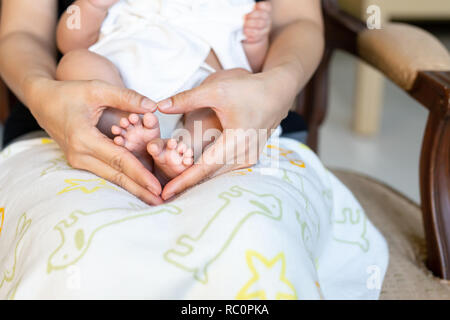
(292, 232)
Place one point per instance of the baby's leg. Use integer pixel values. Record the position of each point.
(173, 156)
(133, 133)
(209, 122)
(206, 116)
(92, 14)
(86, 65)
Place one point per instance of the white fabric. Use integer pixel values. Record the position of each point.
(169, 122)
(284, 229)
(159, 45)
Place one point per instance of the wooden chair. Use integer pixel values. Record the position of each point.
(369, 85)
(406, 55)
(415, 61)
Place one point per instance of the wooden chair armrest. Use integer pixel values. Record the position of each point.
(399, 51)
(420, 65)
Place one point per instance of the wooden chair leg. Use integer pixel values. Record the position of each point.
(368, 100)
(435, 190)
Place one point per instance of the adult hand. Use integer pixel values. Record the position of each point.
(70, 110)
(242, 101)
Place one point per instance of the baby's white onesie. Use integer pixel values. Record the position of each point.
(160, 46)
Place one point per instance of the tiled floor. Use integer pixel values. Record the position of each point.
(391, 156)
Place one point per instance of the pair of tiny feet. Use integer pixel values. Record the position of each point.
(142, 137)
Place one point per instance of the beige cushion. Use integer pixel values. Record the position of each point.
(400, 51)
(400, 221)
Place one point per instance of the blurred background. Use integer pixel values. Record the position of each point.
(372, 126)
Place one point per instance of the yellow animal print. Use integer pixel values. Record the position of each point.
(196, 252)
(78, 230)
(242, 172)
(354, 220)
(285, 154)
(319, 289)
(86, 186)
(304, 147)
(47, 141)
(57, 164)
(8, 274)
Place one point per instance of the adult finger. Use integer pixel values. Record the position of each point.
(123, 161)
(211, 161)
(122, 98)
(189, 100)
(104, 171)
(190, 177)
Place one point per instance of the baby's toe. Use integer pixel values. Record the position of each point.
(181, 149)
(189, 153)
(120, 141)
(116, 130)
(172, 144)
(124, 123)
(134, 118)
(188, 161)
(155, 147)
(150, 120)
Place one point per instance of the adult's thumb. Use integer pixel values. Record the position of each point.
(187, 101)
(125, 99)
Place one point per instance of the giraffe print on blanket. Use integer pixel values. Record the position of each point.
(196, 253)
(78, 230)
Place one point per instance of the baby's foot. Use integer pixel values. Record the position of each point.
(170, 157)
(258, 23)
(135, 133)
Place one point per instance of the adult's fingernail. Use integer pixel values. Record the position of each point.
(165, 104)
(148, 104)
(154, 190)
(169, 196)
